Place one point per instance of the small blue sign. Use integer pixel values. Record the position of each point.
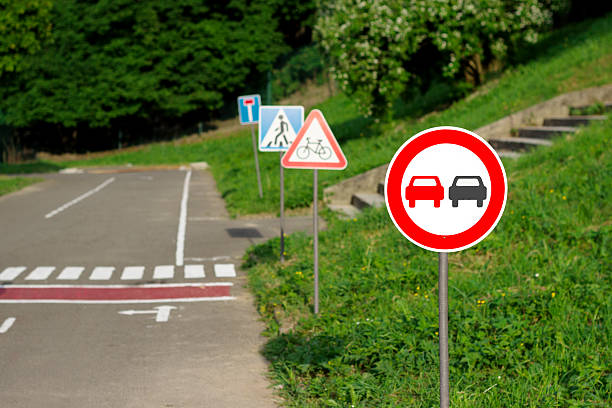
(248, 109)
(279, 126)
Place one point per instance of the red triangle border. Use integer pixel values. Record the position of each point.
(315, 114)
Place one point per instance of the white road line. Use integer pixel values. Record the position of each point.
(79, 198)
(194, 271)
(225, 271)
(132, 272)
(163, 272)
(7, 325)
(102, 273)
(180, 236)
(12, 272)
(214, 258)
(101, 302)
(145, 285)
(40, 273)
(71, 273)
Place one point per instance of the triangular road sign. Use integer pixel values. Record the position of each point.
(315, 146)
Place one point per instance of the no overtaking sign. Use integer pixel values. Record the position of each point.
(445, 189)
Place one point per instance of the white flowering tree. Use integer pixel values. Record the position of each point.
(378, 48)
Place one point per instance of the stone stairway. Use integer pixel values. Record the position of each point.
(530, 137)
(351, 196)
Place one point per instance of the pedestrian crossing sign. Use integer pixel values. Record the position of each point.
(278, 127)
(248, 109)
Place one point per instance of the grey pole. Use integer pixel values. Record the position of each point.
(256, 161)
(282, 209)
(443, 331)
(316, 242)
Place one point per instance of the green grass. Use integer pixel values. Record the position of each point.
(39, 166)
(11, 184)
(574, 58)
(530, 307)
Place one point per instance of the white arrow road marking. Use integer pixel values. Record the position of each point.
(7, 325)
(162, 312)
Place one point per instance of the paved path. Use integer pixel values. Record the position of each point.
(124, 290)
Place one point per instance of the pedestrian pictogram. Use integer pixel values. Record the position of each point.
(248, 109)
(445, 189)
(315, 146)
(279, 126)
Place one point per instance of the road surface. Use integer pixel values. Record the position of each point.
(124, 290)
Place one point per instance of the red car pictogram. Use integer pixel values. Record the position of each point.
(426, 188)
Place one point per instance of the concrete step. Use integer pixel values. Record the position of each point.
(509, 154)
(544, 132)
(517, 144)
(573, 120)
(345, 210)
(363, 200)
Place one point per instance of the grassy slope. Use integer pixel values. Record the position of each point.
(571, 59)
(8, 185)
(530, 307)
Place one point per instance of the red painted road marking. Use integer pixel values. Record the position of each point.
(113, 294)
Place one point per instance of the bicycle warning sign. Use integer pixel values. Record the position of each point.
(278, 126)
(315, 146)
(445, 189)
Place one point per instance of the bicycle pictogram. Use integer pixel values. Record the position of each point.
(303, 152)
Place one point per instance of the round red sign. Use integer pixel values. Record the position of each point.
(445, 189)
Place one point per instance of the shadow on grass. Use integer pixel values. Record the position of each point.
(31, 167)
(263, 253)
(353, 128)
(306, 354)
(558, 41)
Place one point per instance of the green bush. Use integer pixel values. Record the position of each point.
(382, 48)
(305, 64)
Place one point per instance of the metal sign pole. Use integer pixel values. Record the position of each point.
(282, 209)
(316, 241)
(256, 161)
(443, 329)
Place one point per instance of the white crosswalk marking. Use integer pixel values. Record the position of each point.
(40, 273)
(163, 272)
(102, 273)
(71, 273)
(225, 271)
(11, 272)
(132, 272)
(194, 271)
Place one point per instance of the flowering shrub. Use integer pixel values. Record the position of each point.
(379, 47)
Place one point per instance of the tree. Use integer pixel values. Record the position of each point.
(118, 60)
(381, 48)
(24, 26)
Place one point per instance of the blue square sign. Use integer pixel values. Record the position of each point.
(248, 109)
(278, 127)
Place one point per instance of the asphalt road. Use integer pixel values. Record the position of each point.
(125, 290)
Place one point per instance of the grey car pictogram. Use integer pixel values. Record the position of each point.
(467, 188)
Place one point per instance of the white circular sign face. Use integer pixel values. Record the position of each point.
(445, 189)
(436, 161)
